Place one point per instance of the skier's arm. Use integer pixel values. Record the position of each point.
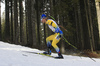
(50, 22)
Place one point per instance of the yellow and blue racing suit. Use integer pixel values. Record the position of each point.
(55, 37)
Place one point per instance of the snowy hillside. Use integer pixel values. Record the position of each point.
(16, 55)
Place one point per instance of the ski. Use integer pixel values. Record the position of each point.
(40, 54)
(44, 55)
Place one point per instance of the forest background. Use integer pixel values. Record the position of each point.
(20, 23)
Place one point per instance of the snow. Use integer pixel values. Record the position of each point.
(16, 55)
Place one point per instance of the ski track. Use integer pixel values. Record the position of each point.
(15, 55)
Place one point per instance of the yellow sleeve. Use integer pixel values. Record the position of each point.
(50, 22)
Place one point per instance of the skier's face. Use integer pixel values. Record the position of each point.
(43, 20)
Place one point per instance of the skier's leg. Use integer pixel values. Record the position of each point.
(54, 44)
(48, 39)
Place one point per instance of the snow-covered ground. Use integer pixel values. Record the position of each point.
(16, 55)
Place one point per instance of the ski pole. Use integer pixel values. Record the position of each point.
(69, 43)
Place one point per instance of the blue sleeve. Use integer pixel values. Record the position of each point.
(57, 30)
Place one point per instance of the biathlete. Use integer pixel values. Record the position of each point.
(55, 38)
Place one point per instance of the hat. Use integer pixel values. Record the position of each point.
(43, 16)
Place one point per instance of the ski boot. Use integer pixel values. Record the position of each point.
(59, 56)
(47, 52)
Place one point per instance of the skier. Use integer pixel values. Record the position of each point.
(55, 37)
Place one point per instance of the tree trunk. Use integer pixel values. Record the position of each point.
(91, 28)
(0, 21)
(26, 21)
(80, 27)
(7, 22)
(30, 34)
(88, 25)
(44, 35)
(77, 27)
(16, 21)
(11, 7)
(62, 43)
(38, 23)
(21, 22)
(33, 17)
(98, 18)
(44, 27)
